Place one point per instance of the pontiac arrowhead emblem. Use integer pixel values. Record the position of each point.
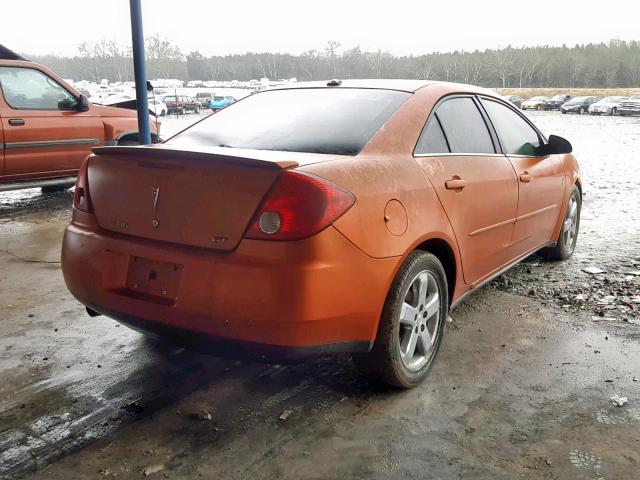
(156, 193)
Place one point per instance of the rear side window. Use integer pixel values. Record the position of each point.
(336, 121)
(432, 139)
(30, 89)
(516, 136)
(464, 126)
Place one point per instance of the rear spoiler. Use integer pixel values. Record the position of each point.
(162, 152)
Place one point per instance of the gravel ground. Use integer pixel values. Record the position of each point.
(521, 389)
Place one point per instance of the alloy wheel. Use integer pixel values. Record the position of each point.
(420, 322)
(570, 226)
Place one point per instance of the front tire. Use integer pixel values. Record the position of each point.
(411, 326)
(614, 111)
(568, 236)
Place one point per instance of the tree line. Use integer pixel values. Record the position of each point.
(612, 64)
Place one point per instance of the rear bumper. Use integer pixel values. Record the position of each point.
(316, 295)
(221, 346)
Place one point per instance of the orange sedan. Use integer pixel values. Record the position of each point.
(330, 217)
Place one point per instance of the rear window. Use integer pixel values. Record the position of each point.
(169, 99)
(336, 121)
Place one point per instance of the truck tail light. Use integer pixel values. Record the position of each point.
(81, 198)
(298, 205)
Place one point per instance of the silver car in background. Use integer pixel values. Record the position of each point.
(535, 103)
(606, 106)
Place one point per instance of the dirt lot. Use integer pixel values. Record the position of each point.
(520, 391)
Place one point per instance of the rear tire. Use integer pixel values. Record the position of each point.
(566, 243)
(411, 326)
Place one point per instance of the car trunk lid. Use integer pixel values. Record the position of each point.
(204, 198)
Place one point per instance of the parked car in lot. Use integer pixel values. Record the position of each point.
(578, 104)
(181, 104)
(535, 103)
(606, 106)
(47, 128)
(631, 106)
(158, 107)
(219, 102)
(555, 102)
(204, 99)
(339, 217)
(516, 100)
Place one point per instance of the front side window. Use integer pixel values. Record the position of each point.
(336, 121)
(464, 126)
(516, 136)
(30, 89)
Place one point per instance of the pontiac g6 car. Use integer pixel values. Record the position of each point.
(47, 128)
(340, 217)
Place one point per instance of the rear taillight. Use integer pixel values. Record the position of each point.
(81, 198)
(298, 205)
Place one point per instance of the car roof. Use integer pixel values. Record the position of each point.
(385, 84)
(410, 86)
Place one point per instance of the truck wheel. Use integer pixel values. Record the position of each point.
(412, 324)
(54, 188)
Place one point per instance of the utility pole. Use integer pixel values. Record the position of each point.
(140, 72)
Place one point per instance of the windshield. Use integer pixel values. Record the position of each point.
(336, 121)
(635, 97)
(537, 99)
(611, 99)
(559, 97)
(218, 99)
(170, 98)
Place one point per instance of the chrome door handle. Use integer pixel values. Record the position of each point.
(455, 184)
(16, 122)
(525, 177)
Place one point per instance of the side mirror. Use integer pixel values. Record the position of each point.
(554, 146)
(83, 104)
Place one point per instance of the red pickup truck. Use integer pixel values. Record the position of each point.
(47, 128)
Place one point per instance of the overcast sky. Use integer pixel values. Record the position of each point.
(399, 26)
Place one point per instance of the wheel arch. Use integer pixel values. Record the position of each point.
(578, 184)
(444, 253)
